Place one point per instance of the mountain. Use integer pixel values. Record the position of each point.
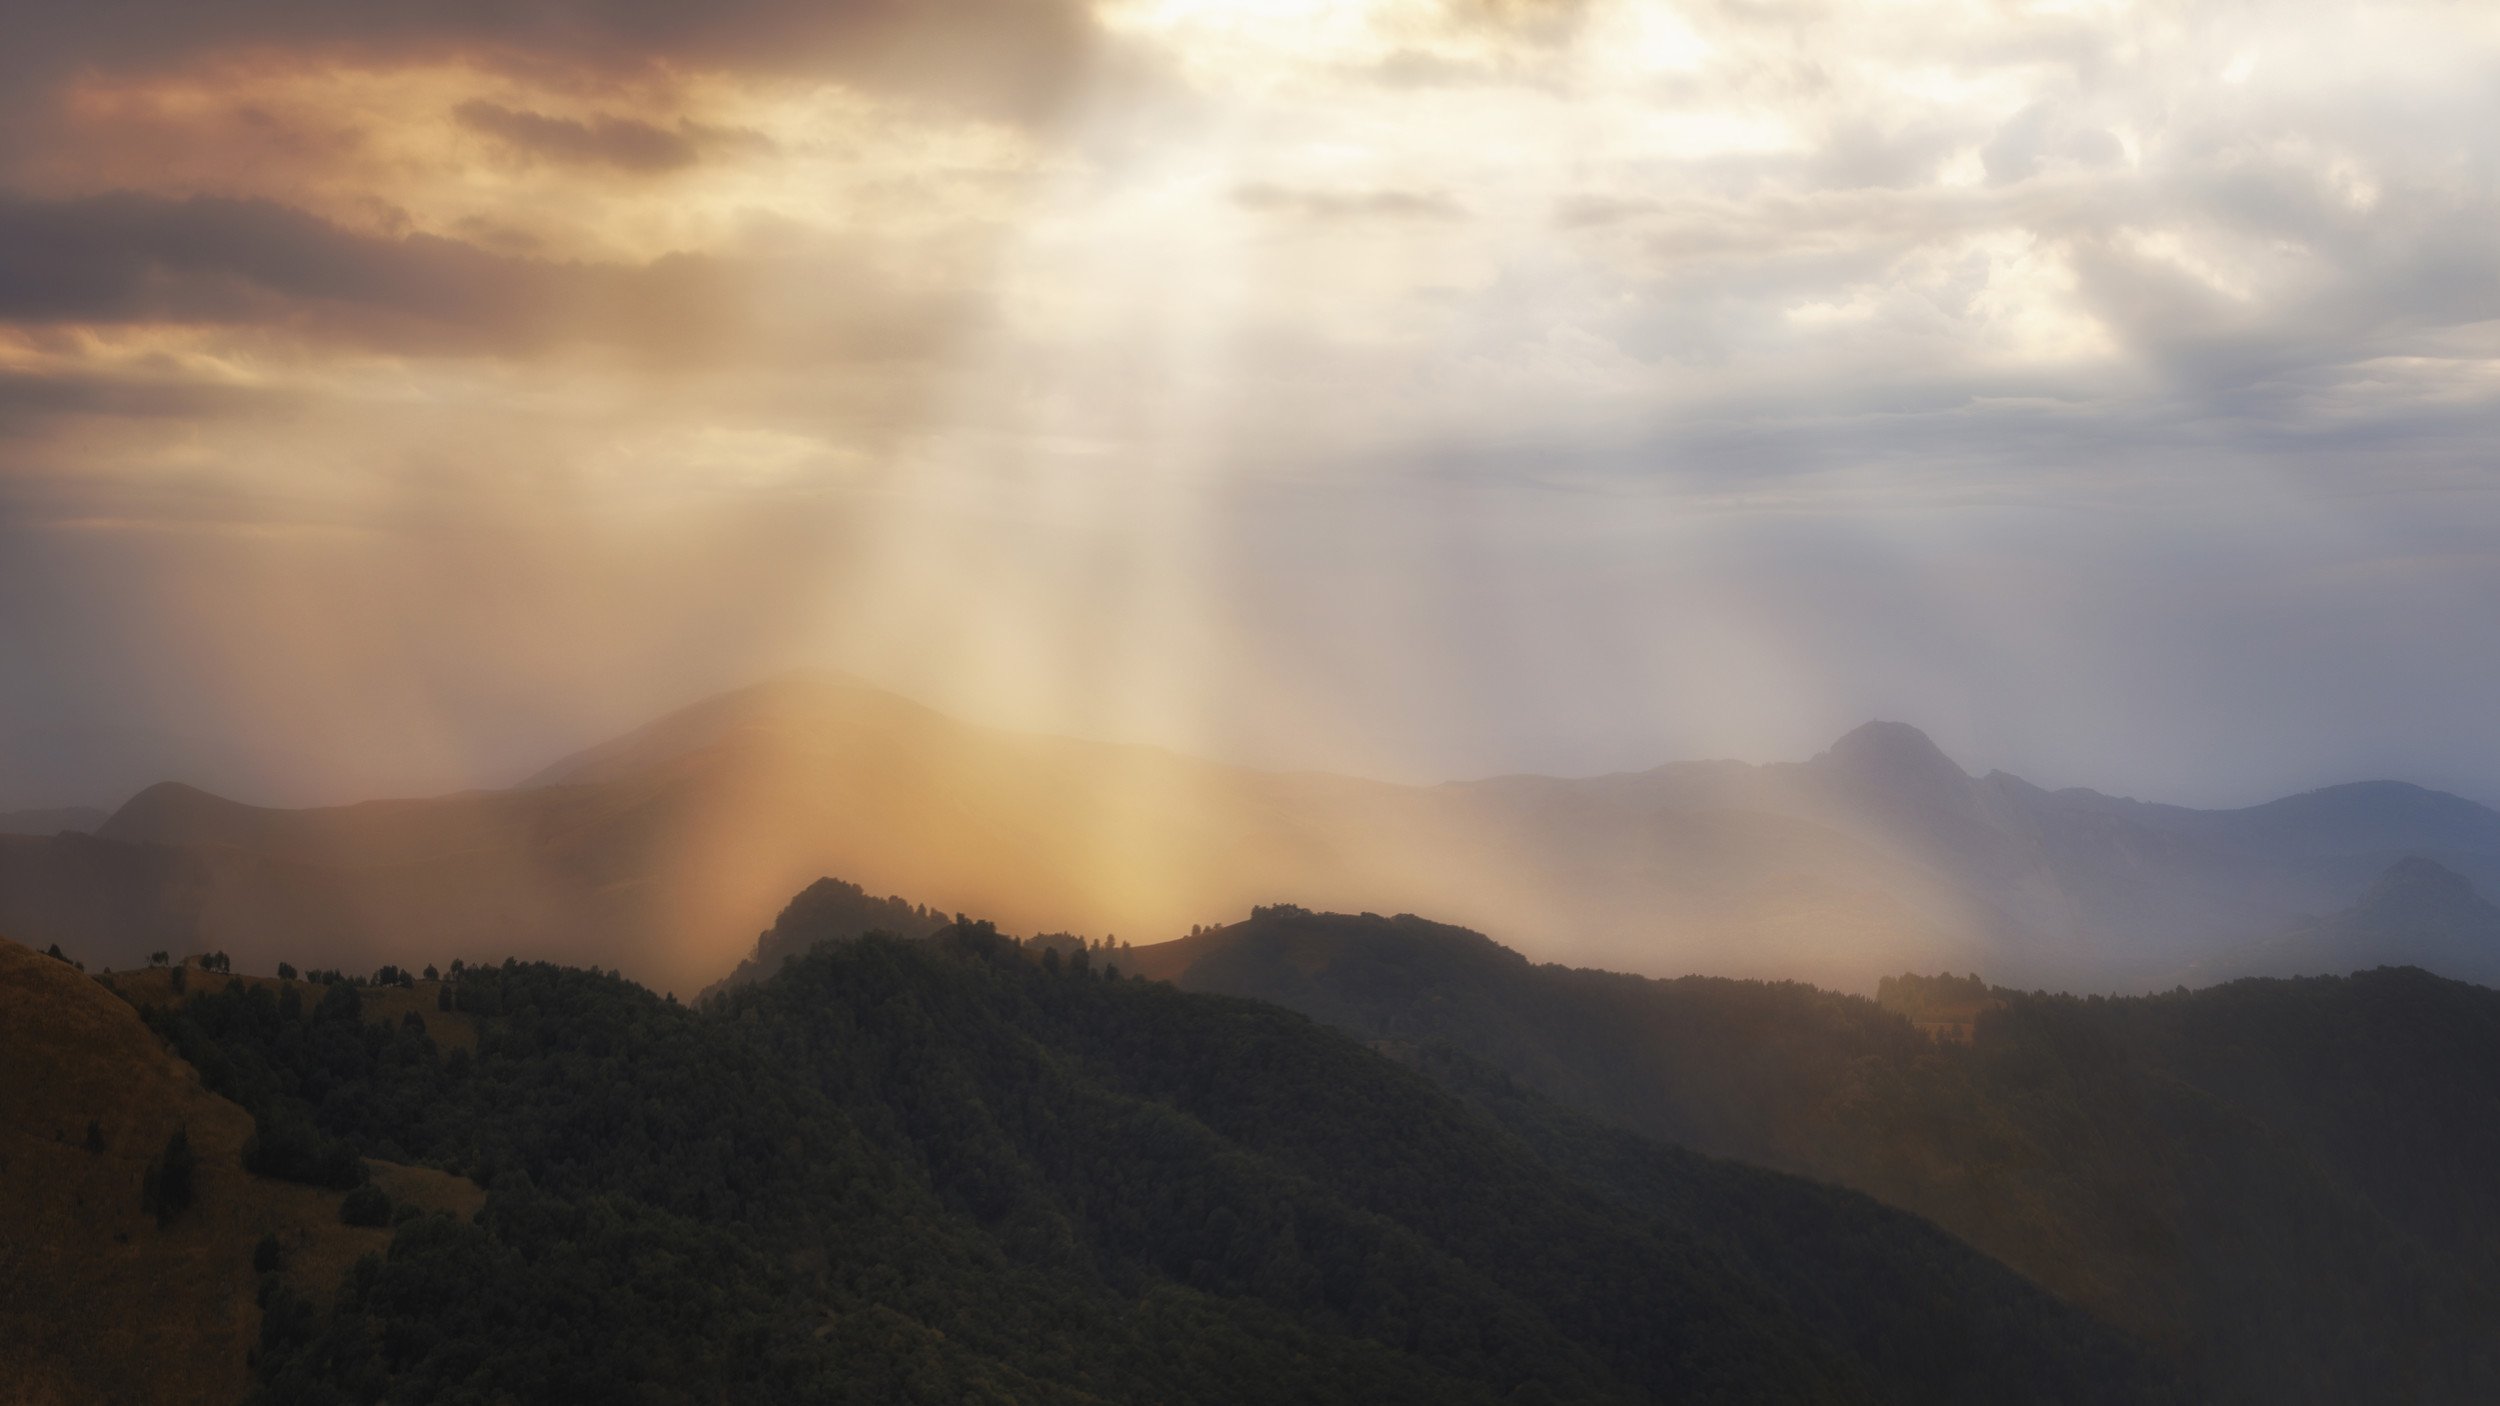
(953, 1169)
(80, 819)
(2293, 1186)
(2417, 914)
(662, 853)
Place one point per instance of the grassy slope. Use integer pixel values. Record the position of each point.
(96, 1302)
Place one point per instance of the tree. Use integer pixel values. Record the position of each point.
(54, 952)
(266, 1254)
(442, 998)
(157, 959)
(179, 980)
(431, 974)
(286, 971)
(165, 1192)
(95, 1136)
(366, 1205)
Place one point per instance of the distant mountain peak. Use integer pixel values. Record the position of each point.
(1890, 751)
(2416, 883)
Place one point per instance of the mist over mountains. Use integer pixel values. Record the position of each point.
(2285, 1182)
(663, 852)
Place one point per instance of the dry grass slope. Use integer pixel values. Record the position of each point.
(97, 1303)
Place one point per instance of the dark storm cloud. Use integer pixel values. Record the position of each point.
(1015, 58)
(132, 259)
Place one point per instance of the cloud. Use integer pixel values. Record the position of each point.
(1347, 204)
(621, 142)
(140, 260)
(1012, 58)
(1765, 324)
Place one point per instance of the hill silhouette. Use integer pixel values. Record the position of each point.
(79, 819)
(2291, 1185)
(665, 851)
(827, 910)
(2419, 913)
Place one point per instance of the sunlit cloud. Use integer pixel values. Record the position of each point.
(1168, 368)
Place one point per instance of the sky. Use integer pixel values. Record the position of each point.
(394, 397)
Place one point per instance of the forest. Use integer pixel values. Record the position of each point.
(955, 1170)
(2289, 1189)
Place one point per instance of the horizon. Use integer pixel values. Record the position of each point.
(520, 777)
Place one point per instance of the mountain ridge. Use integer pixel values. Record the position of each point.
(2253, 1172)
(665, 849)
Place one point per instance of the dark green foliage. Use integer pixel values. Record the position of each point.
(285, 1144)
(286, 971)
(366, 1205)
(95, 1136)
(931, 1171)
(442, 998)
(265, 1255)
(179, 979)
(2293, 1185)
(166, 1190)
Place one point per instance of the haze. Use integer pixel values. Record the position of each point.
(394, 398)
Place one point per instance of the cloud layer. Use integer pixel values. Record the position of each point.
(1411, 386)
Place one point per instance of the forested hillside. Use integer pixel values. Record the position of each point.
(956, 1170)
(2293, 1186)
